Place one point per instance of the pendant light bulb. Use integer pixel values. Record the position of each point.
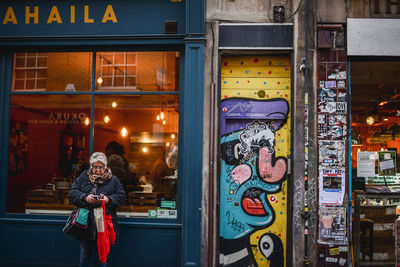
(87, 121)
(106, 119)
(173, 136)
(167, 144)
(114, 104)
(162, 115)
(164, 122)
(158, 117)
(124, 132)
(100, 80)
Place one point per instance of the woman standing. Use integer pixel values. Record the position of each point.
(88, 191)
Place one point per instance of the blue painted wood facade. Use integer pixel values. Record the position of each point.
(37, 240)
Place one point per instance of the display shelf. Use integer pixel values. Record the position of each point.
(377, 214)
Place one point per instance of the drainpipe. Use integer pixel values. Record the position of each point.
(305, 67)
(211, 165)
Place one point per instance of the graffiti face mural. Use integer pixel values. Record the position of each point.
(251, 174)
(255, 145)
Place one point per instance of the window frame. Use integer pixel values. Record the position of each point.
(6, 67)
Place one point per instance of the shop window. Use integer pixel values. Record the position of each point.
(50, 136)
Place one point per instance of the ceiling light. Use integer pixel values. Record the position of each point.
(144, 149)
(167, 144)
(106, 119)
(87, 121)
(383, 103)
(99, 80)
(173, 136)
(124, 132)
(164, 122)
(158, 117)
(370, 120)
(386, 119)
(114, 104)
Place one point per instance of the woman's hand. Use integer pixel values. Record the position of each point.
(90, 199)
(105, 198)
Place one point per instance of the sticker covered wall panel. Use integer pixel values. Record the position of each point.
(255, 145)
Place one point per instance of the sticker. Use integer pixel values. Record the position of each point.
(341, 95)
(321, 118)
(322, 131)
(337, 127)
(325, 96)
(331, 107)
(161, 213)
(341, 75)
(332, 228)
(172, 214)
(330, 259)
(330, 84)
(321, 83)
(341, 107)
(153, 213)
(342, 261)
(332, 76)
(168, 204)
(332, 152)
(341, 84)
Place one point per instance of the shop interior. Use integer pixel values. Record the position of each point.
(375, 148)
(49, 134)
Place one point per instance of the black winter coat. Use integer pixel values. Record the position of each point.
(112, 188)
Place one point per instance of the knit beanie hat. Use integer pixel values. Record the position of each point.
(98, 156)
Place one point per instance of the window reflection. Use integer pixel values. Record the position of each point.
(62, 71)
(48, 146)
(144, 155)
(137, 71)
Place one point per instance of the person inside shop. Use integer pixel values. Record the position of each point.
(116, 164)
(115, 148)
(159, 170)
(88, 191)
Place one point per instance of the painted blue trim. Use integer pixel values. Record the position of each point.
(6, 62)
(95, 93)
(350, 167)
(195, 17)
(192, 154)
(59, 42)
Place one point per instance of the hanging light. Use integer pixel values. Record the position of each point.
(106, 119)
(124, 132)
(158, 117)
(114, 104)
(87, 121)
(162, 115)
(167, 144)
(173, 136)
(370, 120)
(144, 149)
(164, 122)
(100, 80)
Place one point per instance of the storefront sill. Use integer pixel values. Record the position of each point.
(141, 224)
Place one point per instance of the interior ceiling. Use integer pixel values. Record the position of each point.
(373, 83)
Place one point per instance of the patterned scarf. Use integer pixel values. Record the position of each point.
(99, 179)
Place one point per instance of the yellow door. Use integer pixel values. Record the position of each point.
(255, 145)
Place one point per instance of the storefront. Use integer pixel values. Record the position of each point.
(375, 138)
(124, 78)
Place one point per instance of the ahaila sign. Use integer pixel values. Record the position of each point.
(76, 18)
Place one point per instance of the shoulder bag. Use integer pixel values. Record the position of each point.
(77, 223)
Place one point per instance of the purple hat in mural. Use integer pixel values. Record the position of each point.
(238, 112)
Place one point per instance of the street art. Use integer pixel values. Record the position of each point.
(251, 176)
(254, 147)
